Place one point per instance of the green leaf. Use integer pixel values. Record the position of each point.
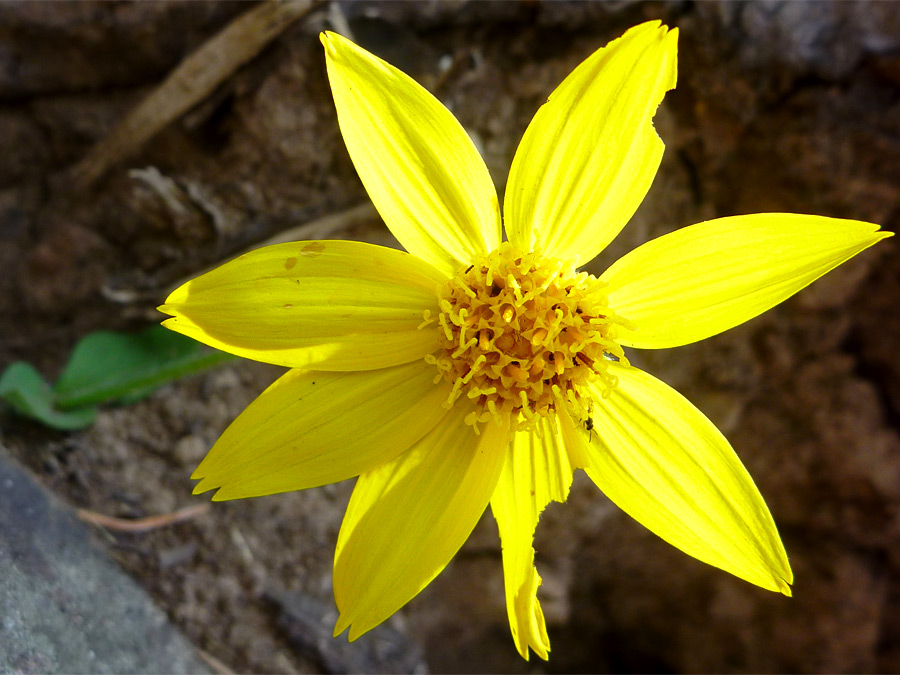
(25, 390)
(107, 367)
(104, 368)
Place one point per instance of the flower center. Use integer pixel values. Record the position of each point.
(522, 335)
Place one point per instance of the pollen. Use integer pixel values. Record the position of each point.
(523, 335)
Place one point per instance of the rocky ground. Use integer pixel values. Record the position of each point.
(779, 107)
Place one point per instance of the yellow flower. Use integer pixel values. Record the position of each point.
(472, 371)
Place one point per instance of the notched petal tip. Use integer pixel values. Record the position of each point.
(854, 229)
(344, 622)
(784, 577)
(784, 588)
(667, 36)
(780, 575)
(205, 485)
(531, 631)
(341, 625)
(332, 42)
(173, 307)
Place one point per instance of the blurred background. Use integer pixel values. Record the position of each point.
(142, 142)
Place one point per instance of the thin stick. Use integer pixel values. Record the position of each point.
(324, 227)
(142, 524)
(193, 80)
(320, 228)
(213, 662)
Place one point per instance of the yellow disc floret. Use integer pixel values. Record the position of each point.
(521, 335)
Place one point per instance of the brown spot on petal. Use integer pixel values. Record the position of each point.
(290, 263)
(313, 248)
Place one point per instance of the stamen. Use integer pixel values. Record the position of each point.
(428, 320)
(522, 336)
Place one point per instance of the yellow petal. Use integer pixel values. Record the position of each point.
(538, 469)
(312, 428)
(417, 163)
(330, 305)
(704, 279)
(590, 154)
(667, 466)
(408, 518)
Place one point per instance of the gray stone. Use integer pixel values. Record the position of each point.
(308, 623)
(65, 606)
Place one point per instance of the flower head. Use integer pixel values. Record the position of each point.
(474, 371)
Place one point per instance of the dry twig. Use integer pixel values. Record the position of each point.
(324, 227)
(138, 525)
(320, 228)
(214, 663)
(193, 79)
